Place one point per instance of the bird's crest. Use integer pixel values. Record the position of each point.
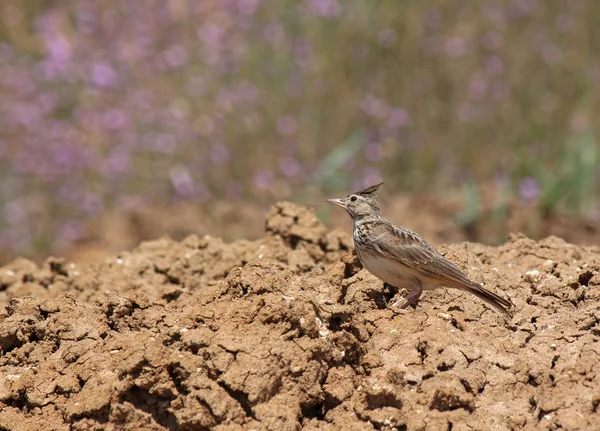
(369, 190)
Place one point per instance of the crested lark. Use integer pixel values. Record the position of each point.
(400, 257)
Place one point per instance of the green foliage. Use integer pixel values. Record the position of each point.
(329, 174)
(571, 184)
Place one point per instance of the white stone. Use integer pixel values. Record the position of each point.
(532, 276)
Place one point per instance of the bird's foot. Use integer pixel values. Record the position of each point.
(407, 300)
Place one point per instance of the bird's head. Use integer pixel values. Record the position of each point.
(361, 203)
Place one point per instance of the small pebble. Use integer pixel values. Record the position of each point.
(548, 265)
(532, 276)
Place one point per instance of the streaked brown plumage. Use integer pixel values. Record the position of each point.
(401, 258)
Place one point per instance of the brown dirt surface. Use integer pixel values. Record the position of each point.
(288, 332)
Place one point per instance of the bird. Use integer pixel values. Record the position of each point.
(401, 257)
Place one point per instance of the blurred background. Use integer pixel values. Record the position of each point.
(126, 120)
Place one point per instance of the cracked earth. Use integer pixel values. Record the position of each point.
(289, 332)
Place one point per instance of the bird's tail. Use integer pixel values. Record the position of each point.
(499, 303)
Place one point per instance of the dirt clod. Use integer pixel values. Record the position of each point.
(289, 332)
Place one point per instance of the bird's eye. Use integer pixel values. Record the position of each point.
(353, 198)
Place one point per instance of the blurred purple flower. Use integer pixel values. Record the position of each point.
(386, 37)
(182, 181)
(142, 47)
(26, 162)
(25, 84)
(219, 154)
(211, 34)
(456, 46)
(578, 122)
(303, 53)
(373, 151)
(246, 91)
(325, 8)
(47, 102)
(494, 11)
(59, 54)
(143, 98)
(70, 231)
(529, 190)
(117, 162)
(26, 114)
(432, 18)
(263, 179)
(225, 100)
(492, 40)
(68, 193)
(91, 203)
(128, 138)
(59, 48)
(176, 56)
(290, 167)
(398, 118)
(165, 143)
(493, 65)
(247, 7)
(374, 106)
(103, 75)
(551, 53)
(519, 9)
(115, 119)
(286, 125)
(564, 22)
(228, 98)
(478, 88)
(86, 18)
(65, 156)
(274, 33)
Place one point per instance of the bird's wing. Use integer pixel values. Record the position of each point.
(408, 248)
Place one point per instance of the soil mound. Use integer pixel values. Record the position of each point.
(288, 332)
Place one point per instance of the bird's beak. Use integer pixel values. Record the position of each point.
(338, 202)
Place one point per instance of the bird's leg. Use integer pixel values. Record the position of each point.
(412, 297)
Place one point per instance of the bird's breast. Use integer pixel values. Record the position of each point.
(391, 272)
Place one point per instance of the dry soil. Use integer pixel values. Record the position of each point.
(288, 332)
